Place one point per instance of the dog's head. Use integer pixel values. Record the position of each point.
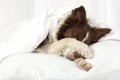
(76, 26)
(76, 18)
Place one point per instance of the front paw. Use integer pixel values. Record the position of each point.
(87, 54)
(81, 63)
(85, 51)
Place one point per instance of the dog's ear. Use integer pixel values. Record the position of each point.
(80, 14)
(99, 33)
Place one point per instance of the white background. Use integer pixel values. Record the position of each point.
(14, 11)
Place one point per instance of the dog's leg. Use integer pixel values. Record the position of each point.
(68, 47)
(82, 64)
(76, 48)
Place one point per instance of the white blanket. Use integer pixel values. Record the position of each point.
(24, 36)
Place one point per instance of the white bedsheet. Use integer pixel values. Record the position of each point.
(46, 67)
(112, 75)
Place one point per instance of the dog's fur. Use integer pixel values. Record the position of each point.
(71, 38)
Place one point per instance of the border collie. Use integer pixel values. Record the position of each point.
(71, 37)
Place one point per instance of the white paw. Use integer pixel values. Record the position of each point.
(79, 47)
(74, 55)
(67, 48)
(81, 63)
(84, 50)
(76, 49)
(71, 53)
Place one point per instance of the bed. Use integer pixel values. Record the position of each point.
(17, 62)
(29, 66)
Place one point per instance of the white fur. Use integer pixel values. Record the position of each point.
(67, 46)
(86, 37)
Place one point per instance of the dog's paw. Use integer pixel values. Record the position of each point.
(87, 53)
(87, 66)
(73, 56)
(84, 50)
(82, 64)
(79, 47)
(78, 50)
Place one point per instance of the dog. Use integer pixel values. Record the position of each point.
(72, 37)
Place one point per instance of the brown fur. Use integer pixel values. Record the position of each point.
(76, 26)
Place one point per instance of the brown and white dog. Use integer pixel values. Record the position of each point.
(71, 38)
